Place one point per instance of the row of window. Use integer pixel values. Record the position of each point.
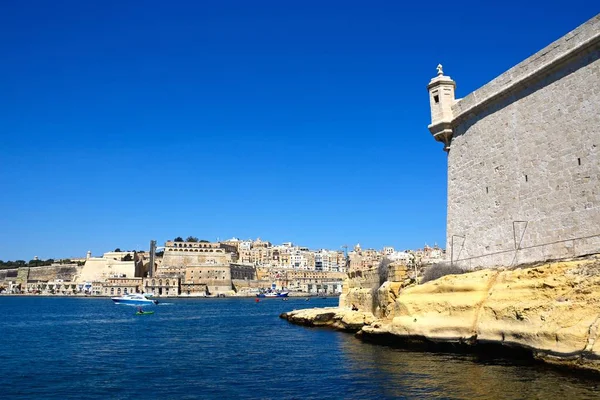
(202, 245)
(160, 282)
(199, 250)
(118, 291)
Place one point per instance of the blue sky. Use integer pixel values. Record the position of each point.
(306, 121)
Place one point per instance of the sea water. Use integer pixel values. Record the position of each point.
(236, 348)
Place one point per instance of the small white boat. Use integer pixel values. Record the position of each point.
(273, 294)
(136, 298)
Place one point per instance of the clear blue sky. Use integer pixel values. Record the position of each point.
(125, 121)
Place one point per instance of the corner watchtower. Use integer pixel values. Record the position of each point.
(441, 98)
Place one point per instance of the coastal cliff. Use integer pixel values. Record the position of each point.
(550, 310)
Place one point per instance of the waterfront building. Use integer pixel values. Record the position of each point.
(110, 265)
(159, 286)
(215, 278)
(54, 286)
(194, 289)
(312, 281)
(117, 286)
(179, 255)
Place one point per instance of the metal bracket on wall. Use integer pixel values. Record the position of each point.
(452, 248)
(518, 246)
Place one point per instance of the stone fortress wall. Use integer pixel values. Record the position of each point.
(179, 255)
(66, 273)
(524, 157)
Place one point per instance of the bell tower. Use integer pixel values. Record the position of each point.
(441, 98)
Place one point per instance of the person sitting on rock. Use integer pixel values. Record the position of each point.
(354, 308)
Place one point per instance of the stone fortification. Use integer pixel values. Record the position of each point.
(179, 255)
(8, 274)
(524, 157)
(216, 278)
(66, 273)
(360, 289)
(363, 288)
(99, 269)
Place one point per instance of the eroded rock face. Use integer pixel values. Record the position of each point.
(553, 310)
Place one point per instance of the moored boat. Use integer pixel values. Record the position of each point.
(273, 294)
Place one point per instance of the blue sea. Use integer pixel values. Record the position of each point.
(89, 348)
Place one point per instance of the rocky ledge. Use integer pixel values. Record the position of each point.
(551, 311)
(335, 317)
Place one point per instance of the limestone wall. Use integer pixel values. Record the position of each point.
(216, 277)
(177, 261)
(360, 289)
(100, 269)
(8, 274)
(67, 273)
(47, 273)
(524, 163)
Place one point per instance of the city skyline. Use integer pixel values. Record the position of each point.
(160, 246)
(123, 124)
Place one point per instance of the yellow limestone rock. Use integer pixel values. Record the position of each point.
(442, 310)
(335, 317)
(553, 310)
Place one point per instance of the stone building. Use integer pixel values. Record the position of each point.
(216, 279)
(49, 279)
(243, 271)
(117, 286)
(194, 289)
(110, 265)
(179, 255)
(524, 157)
(159, 286)
(324, 282)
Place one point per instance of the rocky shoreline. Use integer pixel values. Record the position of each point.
(334, 317)
(548, 312)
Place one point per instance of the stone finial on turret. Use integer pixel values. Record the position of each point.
(441, 98)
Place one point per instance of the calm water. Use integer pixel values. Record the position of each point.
(60, 348)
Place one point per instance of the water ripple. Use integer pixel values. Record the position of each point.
(63, 348)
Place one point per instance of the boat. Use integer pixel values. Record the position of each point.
(273, 294)
(144, 312)
(136, 298)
